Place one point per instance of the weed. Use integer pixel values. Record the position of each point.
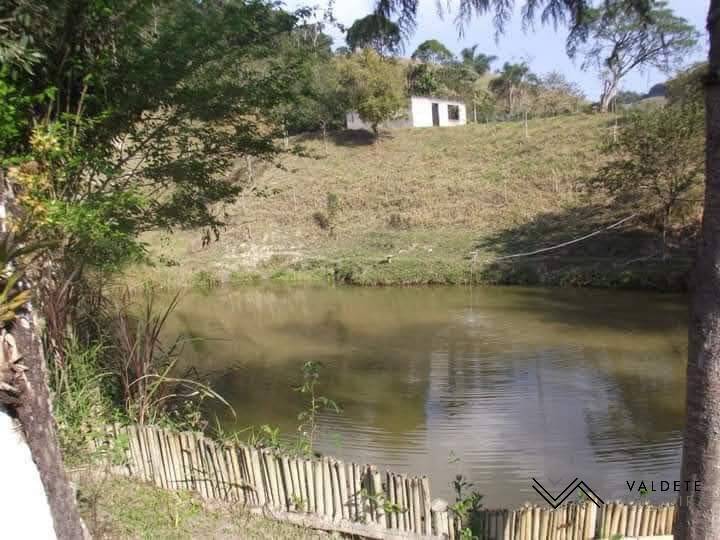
(307, 418)
(205, 281)
(467, 507)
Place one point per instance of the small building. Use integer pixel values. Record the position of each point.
(421, 112)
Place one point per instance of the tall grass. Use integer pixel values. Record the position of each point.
(152, 390)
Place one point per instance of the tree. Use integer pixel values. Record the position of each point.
(555, 95)
(699, 513)
(479, 62)
(622, 42)
(117, 122)
(433, 52)
(658, 164)
(422, 80)
(375, 86)
(375, 32)
(513, 84)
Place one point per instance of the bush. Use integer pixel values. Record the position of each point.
(321, 219)
(83, 397)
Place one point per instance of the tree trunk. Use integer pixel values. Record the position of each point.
(610, 90)
(699, 517)
(34, 413)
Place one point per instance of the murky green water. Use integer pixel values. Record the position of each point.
(500, 384)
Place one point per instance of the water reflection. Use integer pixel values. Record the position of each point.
(499, 384)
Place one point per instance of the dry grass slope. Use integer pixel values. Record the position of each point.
(424, 206)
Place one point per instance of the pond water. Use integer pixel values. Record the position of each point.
(498, 384)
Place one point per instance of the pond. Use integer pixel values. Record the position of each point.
(501, 385)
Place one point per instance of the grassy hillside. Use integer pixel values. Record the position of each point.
(427, 206)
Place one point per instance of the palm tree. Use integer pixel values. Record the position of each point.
(480, 63)
(511, 82)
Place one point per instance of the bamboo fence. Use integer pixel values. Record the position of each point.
(327, 494)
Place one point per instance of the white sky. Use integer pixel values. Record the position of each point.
(543, 48)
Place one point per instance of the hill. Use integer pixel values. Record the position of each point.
(427, 206)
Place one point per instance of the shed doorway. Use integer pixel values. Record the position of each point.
(436, 114)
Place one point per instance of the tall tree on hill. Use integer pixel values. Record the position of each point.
(699, 513)
(432, 51)
(620, 42)
(375, 32)
(512, 84)
(479, 62)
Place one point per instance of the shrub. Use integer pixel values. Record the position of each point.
(321, 219)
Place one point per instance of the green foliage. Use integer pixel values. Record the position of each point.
(151, 389)
(307, 418)
(422, 80)
(480, 63)
(433, 52)
(658, 162)
(513, 85)
(135, 127)
(375, 86)
(467, 507)
(688, 87)
(375, 32)
(618, 41)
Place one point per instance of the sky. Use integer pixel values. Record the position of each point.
(543, 48)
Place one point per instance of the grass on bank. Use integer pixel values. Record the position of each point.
(119, 508)
(426, 206)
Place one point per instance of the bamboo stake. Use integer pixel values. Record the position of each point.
(652, 520)
(248, 467)
(392, 516)
(178, 461)
(136, 453)
(543, 526)
(201, 466)
(632, 511)
(302, 484)
(233, 478)
(273, 494)
(670, 522)
(342, 480)
(417, 509)
(354, 514)
(327, 487)
(310, 479)
(536, 522)
(259, 487)
(410, 521)
(622, 526)
(147, 453)
(645, 521)
(319, 488)
(378, 491)
(615, 520)
(220, 480)
(335, 482)
(425, 489)
(157, 457)
(287, 482)
(188, 468)
(168, 458)
(208, 467)
(509, 532)
(400, 494)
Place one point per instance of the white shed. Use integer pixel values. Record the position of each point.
(421, 112)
